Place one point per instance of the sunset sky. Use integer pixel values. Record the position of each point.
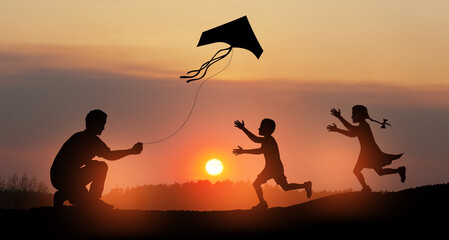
(61, 59)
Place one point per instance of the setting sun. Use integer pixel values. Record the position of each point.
(214, 167)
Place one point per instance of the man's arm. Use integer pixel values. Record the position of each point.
(240, 150)
(254, 138)
(117, 154)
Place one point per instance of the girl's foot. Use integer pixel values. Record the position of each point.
(261, 205)
(402, 173)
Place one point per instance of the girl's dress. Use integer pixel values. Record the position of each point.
(370, 154)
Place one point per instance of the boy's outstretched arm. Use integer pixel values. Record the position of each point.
(240, 150)
(241, 125)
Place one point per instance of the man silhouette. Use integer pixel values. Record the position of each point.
(273, 165)
(74, 167)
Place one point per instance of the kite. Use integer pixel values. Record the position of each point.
(237, 33)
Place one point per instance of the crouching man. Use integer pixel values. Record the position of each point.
(74, 167)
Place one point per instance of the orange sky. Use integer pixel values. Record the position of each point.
(396, 42)
(58, 60)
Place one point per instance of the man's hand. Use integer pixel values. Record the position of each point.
(332, 128)
(238, 150)
(336, 113)
(137, 148)
(238, 124)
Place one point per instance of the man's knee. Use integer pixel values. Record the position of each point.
(100, 166)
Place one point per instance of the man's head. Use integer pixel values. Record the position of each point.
(267, 127)
(95, 121)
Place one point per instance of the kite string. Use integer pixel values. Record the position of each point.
(193, 106)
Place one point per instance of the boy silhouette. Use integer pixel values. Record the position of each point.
(73, 167)
(370, 154)
(273, 165)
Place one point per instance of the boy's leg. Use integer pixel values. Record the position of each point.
(261, 179)
(282, 181)
(257, 186)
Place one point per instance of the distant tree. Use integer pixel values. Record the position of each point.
(23, 193)
(203, 195)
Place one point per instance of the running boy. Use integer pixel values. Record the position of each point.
(273, 165)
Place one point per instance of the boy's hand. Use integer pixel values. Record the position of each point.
(137, 148)
(336, 113)
(332, 128)
(238, 150)
(238, 124)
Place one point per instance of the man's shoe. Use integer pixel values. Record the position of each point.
(58, 199)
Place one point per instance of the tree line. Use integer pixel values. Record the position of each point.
(23, 192)
(203, 195)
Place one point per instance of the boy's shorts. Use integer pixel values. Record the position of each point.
(268, 174)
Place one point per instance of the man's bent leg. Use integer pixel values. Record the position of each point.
(95, 172)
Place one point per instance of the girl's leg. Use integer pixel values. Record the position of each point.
(358, 173)
(387, 171)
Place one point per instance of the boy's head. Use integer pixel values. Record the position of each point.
(267, 127)
(95, 121)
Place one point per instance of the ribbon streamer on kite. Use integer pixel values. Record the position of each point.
(237, 33)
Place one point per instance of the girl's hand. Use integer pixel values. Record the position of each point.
(239, 124)
(335, 113)
(332, 128)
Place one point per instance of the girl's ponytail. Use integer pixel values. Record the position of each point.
(382, 123)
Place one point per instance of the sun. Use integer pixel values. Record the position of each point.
(214, 167)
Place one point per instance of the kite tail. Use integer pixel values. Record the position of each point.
(207, 64)
(193, 106)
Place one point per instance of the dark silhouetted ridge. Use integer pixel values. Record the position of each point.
(421, 210)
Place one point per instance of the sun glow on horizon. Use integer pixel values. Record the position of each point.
(214, 167)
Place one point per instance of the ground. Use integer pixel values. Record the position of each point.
(422, 210)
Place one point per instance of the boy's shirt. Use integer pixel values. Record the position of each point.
(271, 153)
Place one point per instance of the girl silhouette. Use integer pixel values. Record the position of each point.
(370, 154)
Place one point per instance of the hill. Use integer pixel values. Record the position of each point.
(422, 210)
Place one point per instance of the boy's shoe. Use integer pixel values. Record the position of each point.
(402, 173)
(308, 187)
(262, 205)
(366, 189)
(58, 199)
